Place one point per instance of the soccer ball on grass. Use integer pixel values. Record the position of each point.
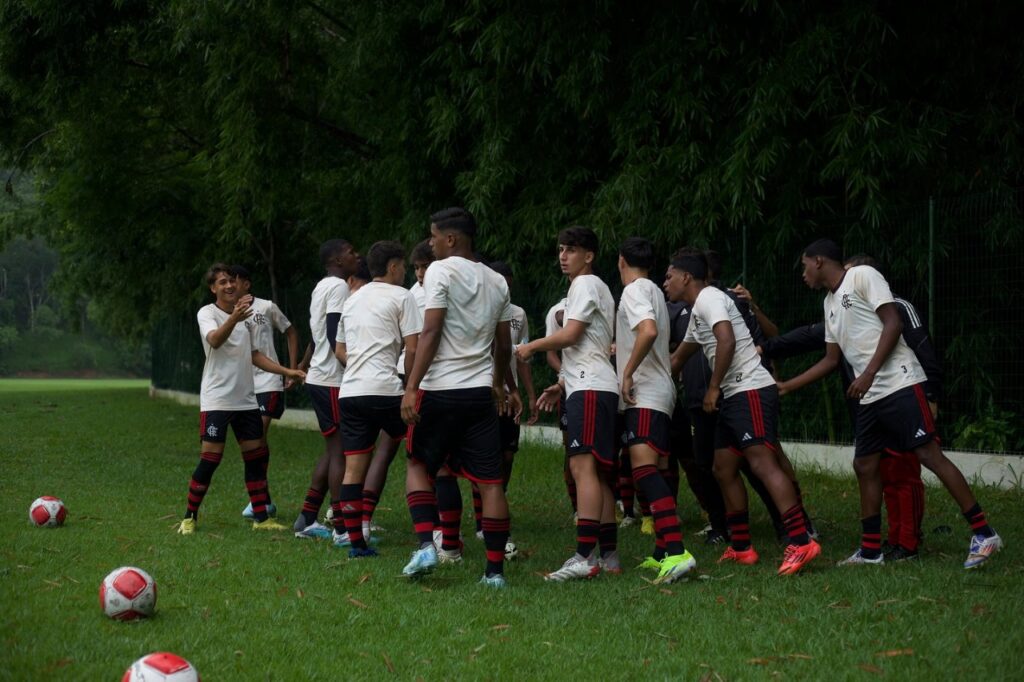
(47, 512)
(161, 666)
(128, 593)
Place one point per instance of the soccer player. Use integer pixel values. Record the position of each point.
(552, 325)
(340, 260)
(648, 396)
(270, 387)
(375, 321)
(387, 447)
(863, 325)
(227, 398)
(744, 394)
(455, 389)
(591, 403)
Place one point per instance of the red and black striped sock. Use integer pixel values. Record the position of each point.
(370, 498)
(200, 481)
(659, 548)
(254, 462)
(979, 524)
(586, 536)
(478, 508)
(663, 508)
(626, 493)
(352, 512)
(796, 526)
(739, 529)
(800, 501)
(671, 477)
(608, 537)
(337, 516)
(311, 505)
(643, 503)
(495, 536)
(871, 536)
(423, 510)
(449, 508)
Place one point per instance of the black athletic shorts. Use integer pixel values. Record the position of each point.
(591, 425)
(364, 417)
(749, 418)
(246, 425)
(648, 427)
(325, 405)
(703, 428)
(901, 421)
(271, 404)
(680, 434)
(459, 429)
(509, 431)
(563, 420)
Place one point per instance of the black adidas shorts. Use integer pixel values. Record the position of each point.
(364, 417)
(509, 431)
(458, 429)
(748, 418)
(246, 425)
(563, 420)
(901, 421)
(325, 405)
(271, 404)
(590, 425)
(648, 427)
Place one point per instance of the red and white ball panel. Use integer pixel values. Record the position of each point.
(128, 593)
(161, 667)
(47, 512)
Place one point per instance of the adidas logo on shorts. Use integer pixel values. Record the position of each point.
(746, 436)
(920, 432)
(575, 443)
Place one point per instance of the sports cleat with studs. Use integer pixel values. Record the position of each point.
(647, 525)
(675, 567)
(315, 530)
(610, 563)
(495, 581)
(650, 563)
(575, 568)
(627, 521)
(982, 549)
(247, 513)
(449, 556)
(747, 557)
(714, 537)
(424, 560)
(858, 559)
(187, 526)
(795, 557)
(268, 524)
(898, 553)
(361, 553)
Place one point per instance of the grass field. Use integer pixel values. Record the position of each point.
(245, 606)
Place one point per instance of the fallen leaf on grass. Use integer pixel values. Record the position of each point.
(979, 609)
(503, 626)
(895, 652)
(668, 592)
(479, 648)
(867, 667)
(426, 589)
(920, 598)
(388, 664)
(887, 601)
(167, 516)
(59, 663)
(356, 602)
(762, 661)
(299, 593)
(841, 604)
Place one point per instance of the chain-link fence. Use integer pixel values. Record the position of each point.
(958, 260)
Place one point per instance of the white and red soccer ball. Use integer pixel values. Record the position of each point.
(47, 512)
(161, 666)
(128, 593)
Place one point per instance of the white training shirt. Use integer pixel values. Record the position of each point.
(475, 299)
(551, 325)
(642, 300)
(745, 373)
(852, 322)
(227, 374)
(520, 330)
(417, 293)
(266, 317)
(329, 296)
(375, 320)
(587, 365)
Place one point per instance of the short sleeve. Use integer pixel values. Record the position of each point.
(506, 305)
(436, 284)
(207, 322)
(340, 336)
(872, 287)
(636, 306)
(829, 336)
(278, 319)
(581, 303)
(690, 336)
(336, 297)
(714, 309)
(524, 331)
(412, 319)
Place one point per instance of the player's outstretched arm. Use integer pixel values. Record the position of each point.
(818, 370)
(569, 335)
(268, 365)
(526, 381)
(426, 349)
(681, 354)
(292, 336)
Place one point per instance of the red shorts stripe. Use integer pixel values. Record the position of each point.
(756, 416)
(926, 411)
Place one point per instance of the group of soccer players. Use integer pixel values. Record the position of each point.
(440, 364)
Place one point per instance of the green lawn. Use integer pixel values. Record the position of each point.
(245, 606)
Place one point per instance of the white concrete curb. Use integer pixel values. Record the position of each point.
(1003, 471)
